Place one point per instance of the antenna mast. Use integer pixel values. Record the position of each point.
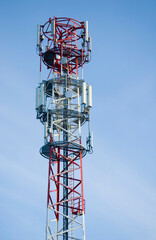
(63, 103)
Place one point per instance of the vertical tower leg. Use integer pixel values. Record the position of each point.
(65, 197)
(58, 192)
(83, 207)
(65, 176)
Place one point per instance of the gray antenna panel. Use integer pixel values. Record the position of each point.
(53, 27)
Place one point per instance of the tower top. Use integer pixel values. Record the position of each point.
(64, 44)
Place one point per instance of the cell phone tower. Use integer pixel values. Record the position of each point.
(63, 103)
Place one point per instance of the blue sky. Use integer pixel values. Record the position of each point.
(119, 178)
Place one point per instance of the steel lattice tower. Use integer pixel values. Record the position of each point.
(63, 103)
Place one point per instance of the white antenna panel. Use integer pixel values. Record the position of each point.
(38, 34)
(46, 130)
(89, 96)
(37, 97)
(90, 44)
(86, 31)
(83, 93)
(42, 99)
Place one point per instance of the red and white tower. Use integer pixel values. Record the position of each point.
(63, 103)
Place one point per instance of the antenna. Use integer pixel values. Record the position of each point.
(63, 104)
